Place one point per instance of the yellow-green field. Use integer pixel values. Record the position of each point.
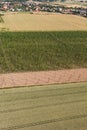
(53, 107)
(42, 22)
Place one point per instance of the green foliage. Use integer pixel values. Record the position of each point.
(33, 51)
(1, 19)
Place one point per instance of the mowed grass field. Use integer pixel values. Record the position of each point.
(36, 51)
(42, 22)
(53, 107)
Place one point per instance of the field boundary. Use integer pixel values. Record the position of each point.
(43, 77)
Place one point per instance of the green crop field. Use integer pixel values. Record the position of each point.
(34, 51)
(52, 107)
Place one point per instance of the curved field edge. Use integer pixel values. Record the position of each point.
(37, 51)
(42, 21)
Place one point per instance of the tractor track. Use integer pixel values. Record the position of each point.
(45, 122)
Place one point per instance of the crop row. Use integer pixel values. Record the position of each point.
(35, 51)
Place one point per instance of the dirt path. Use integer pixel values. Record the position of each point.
(43, 77)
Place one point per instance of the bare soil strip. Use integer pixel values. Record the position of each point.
(43, 77)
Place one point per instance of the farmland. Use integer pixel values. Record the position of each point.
(43, 22)
(36, 43)
(53, 107)
(35, 51)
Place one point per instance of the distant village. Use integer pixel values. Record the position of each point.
(35, 6)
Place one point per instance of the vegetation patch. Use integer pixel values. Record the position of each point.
(36, 51)
(1, 19)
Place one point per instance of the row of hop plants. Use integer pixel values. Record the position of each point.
(34, 51)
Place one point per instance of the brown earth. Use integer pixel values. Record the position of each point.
(43, 77)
